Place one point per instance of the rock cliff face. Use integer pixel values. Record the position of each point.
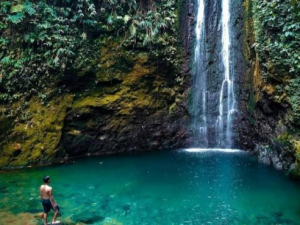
(269, 123)
(142, 109)
(120, 100)
(33, 134)
(113, 110)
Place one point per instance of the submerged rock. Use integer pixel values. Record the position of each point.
(126, 208)
(87, 218)
(8, 218)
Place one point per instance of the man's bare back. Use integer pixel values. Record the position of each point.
(46, 191)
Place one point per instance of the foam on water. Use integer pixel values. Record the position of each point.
(227, 150)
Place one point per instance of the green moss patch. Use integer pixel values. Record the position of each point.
(38, 136)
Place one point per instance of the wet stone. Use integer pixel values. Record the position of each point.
(126, 207)
(87, 218)
(278, 214)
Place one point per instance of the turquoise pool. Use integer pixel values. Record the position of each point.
(167, 187)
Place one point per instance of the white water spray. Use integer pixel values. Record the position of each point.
(226, 150)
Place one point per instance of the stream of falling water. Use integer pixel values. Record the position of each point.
(224, 121)
(200, 87)
(212, 126)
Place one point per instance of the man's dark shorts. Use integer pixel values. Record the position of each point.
(47, 206)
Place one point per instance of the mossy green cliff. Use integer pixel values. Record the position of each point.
(126, 109)
(271, 91)
(114, 97)
(33, 133)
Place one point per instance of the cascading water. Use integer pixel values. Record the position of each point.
(213, 100)
(224, 125)
(199, 121)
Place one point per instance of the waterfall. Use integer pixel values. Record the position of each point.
(199, 121)
(213, 100)
(224, 125)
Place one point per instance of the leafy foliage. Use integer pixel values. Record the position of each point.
(277, 34)
(40, 39)
(38, 42)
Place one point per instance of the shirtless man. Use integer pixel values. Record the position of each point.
(48, 201)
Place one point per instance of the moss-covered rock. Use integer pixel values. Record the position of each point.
(294, 171)
(115, 94)
(35, 138)
(117, 121)
(121, 100)
(18, 219)
(270, 98)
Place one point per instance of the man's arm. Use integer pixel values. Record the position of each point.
(51, 196)
(41, 191)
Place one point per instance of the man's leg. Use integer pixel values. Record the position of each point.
(45, 215)
(55, 215)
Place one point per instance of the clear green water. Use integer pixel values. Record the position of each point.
(174, 187)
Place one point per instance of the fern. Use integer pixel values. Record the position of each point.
(3, 41)
(15, 19)
(4, 6)
(28, 8)
(89, 22)
(46, 25)
(6, 60)
(3, 26)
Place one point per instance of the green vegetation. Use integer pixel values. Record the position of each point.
(277, 34)
(41, 40)
(277, 44)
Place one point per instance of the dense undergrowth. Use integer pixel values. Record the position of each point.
(276, 79)
(277, 34)
(41, 40)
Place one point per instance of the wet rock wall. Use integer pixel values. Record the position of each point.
(268, 125)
